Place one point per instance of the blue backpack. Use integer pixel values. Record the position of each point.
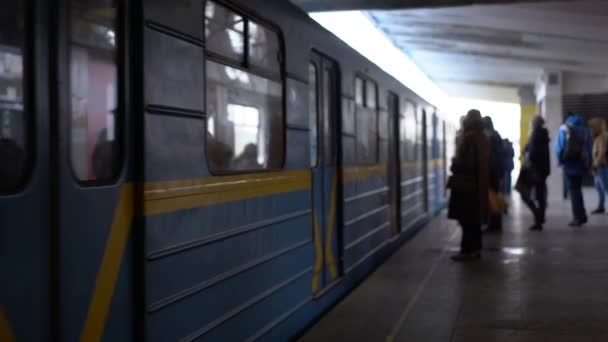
(574, 150)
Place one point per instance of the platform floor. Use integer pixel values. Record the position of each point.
(529, 286)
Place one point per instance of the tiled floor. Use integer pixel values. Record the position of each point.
(529, 286)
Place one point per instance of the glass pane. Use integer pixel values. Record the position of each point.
(366, 135)
(313, 113)
(359, 91)
(244, 120)
(328, 144)
(94, 90)
(370, 94)
(264, 48)
(224, 31)
(13, 139)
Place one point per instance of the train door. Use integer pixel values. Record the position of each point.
(25, 168)
(94, 202)
(394, 164)
(324, 100)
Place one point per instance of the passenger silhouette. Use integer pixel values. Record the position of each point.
(508, 164)
(532, 182)
(104, 156)
(248, 159)
(496, 168)
(573, 149)
(599, 164)
(469, 186)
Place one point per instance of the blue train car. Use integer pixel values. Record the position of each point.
(197, 170)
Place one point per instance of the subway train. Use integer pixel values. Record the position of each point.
(198, 170)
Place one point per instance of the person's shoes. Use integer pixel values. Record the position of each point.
(598, 211)
(584, 220)
(537, 227)
(466, 256)
(577, 223)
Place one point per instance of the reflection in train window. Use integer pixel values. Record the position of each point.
(313, 113)
(366, 122)
(13, 134)
(408, 132)
(366, 133)
(244, 120)
(264, 49)
(244, 93)
(94, 90)
(224, 31)
(359, 92)
(370, 94)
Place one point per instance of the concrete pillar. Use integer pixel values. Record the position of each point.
(527, 104)
(548, 91)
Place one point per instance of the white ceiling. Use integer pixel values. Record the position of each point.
(502, 46)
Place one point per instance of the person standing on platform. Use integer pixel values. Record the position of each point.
(468, 186)
(536, 169)
(600, 168)
(573, 149)
(496, 168)
(509, 154)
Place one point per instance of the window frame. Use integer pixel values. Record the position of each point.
(120, 119)
(245, 66)
(28, 103)
(376, 109)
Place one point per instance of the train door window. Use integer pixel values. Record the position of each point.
(13, 116)
(244, 93)
(359, 91)
(366, 126)
(313, 113)
(371, 92)
(224, 32)
(328, 141)
(94, 146)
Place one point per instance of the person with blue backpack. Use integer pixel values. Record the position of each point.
(573, 149)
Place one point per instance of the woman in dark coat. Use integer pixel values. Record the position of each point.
(469, 185)
(537, 168)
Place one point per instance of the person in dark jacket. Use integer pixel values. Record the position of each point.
(496, 168)
(469, 186)
(575, 166)
(539, 167)
(508, 164)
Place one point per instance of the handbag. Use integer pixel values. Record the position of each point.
(497, 203)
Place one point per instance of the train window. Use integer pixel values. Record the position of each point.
(244, 120)
(313, 113)
(13, 134)
(371, 91)
(359, 92)
(94, 90)
(244, 93)
(264, 48)
(224, 32)
(366, 121)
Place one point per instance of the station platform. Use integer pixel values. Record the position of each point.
(528, 286)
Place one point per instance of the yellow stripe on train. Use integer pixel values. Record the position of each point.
(166, 197)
